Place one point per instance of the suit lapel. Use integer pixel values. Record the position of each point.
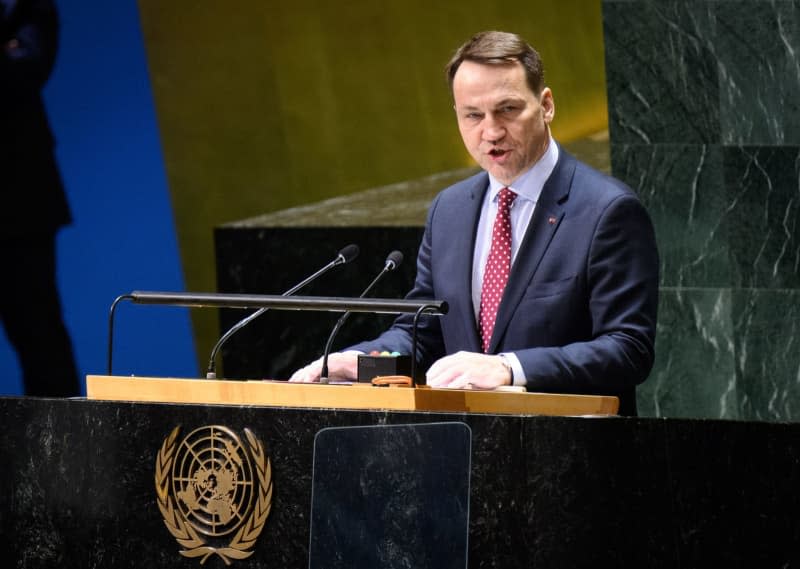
(463, 239)
(547, 216)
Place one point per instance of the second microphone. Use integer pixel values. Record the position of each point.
(393, 260)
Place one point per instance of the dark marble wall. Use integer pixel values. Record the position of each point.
(704, 119)
(270, 260)
(79, 488)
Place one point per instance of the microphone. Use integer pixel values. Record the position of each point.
(344, 256)
(393, 261)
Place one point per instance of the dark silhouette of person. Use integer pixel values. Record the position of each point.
(33, 206)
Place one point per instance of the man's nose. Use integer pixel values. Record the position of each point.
(493, 130)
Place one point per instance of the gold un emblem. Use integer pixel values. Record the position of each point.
(211, 486)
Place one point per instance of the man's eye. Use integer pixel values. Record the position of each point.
(509, 109)
(473, 116)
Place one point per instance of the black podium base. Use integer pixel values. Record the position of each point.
(79, 486)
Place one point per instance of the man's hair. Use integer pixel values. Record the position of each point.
(499, 48)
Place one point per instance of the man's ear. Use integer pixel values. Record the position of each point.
(548, 104)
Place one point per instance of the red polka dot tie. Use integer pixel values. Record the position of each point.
(498, 266)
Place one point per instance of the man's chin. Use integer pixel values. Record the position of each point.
(501, 174)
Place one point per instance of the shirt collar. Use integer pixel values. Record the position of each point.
(529, 185)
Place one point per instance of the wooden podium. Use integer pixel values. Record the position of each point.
(344, 396)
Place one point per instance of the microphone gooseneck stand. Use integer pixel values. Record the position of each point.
(393, 261)
(344, 256)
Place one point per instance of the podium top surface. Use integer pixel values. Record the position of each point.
(343, 396)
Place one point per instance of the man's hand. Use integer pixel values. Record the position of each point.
(341, 366)
(468, 370)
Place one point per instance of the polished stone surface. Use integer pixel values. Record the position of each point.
(705, 125)
(703, 72)
(80, 490)
(661, 73)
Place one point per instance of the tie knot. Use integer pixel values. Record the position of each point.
(505, 198)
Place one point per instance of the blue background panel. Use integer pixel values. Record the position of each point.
(123, 236)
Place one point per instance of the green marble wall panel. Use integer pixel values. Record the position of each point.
(766, 328)
(661, 75)
(726, 353)
(682, 188)
(704, 118)
(704, 71)
(695, 371)
(763, 190)
(757, 45)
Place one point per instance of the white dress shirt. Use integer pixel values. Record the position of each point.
(528, 188)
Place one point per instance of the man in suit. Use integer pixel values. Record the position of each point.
(549, 267)
(33, 202)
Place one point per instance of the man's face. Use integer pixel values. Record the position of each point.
(504, 125)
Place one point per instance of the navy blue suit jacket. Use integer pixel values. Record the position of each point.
(579, 310)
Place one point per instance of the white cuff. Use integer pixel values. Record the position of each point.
(517, 373)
